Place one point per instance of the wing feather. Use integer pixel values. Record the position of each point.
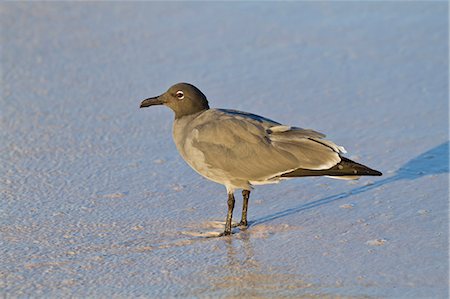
(246, 146)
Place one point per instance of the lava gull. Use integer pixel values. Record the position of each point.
(240, 150)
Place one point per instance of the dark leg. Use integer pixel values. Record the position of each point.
(230, 214)
(245, 197)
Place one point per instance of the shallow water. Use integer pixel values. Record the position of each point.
(97, 202)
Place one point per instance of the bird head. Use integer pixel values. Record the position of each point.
(182, 98)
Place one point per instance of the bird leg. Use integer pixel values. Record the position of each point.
(245, 197)
(230, 214)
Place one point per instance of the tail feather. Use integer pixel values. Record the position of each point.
(346, 167)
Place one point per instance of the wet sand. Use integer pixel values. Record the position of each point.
(97, 202)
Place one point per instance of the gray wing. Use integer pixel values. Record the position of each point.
(253, 118)
(255, 148)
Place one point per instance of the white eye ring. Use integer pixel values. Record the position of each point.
(180, 95)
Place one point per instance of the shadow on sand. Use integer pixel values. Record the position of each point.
(432, 162)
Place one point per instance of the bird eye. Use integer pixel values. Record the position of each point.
(180, 95)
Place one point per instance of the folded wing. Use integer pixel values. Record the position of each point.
(257, 149)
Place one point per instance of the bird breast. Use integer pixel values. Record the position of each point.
(184, 135)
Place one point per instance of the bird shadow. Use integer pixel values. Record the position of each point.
(432, 162)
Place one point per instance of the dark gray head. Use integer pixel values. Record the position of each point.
(182, 98)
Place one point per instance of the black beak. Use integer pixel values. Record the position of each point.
(151, 102)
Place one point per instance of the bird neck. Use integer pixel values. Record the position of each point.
(191, 110)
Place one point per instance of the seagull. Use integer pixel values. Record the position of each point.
(240, 150)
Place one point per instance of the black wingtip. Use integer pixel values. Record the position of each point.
(346, 167)
(358, 168)
(373, 172)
